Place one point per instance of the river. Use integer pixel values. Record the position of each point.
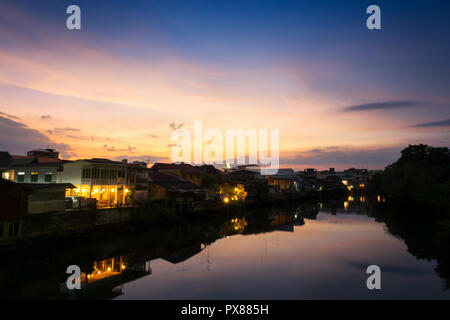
(298, 252)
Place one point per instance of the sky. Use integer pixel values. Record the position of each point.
(341, 95)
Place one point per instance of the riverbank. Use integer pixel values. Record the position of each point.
(89, 225)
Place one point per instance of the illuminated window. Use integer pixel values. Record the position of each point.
(20, 176)
(34, 177)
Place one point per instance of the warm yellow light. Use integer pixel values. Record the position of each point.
(99, 272)
(123, 267)
(378, 198)
(226, 200)
(112, 190)
(95, 190)
(349, 188)
(345, 182)
(83, 190)
(89, 276)
(126, 190)
(236, 189)
(345, 205)
(350, 198)
(103, 190)
(109, 269)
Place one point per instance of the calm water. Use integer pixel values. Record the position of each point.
(297, 253)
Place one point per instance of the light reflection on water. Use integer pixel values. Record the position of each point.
(325, 258)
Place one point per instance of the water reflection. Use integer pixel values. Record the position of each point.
(306, 251)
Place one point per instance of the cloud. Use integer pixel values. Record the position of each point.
(345, 157)
(67, 129)
(381, 105)
(46, 117)
(154, 136)
(9, 116)
(173, 126)
(443, 123)
(16, 138)
(129, 149)
(142, 158)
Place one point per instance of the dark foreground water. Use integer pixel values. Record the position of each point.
(306, 252)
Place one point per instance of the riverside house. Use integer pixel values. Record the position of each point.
(183, 170)
(38, 166)
(101, 179)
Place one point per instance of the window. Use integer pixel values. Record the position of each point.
(20, 176)
(95, 173)
(34, 177)
(48, 177)
(8, 175)
(13, 229)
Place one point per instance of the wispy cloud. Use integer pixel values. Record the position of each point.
(9, 116)
(381, 105)
(443, 123)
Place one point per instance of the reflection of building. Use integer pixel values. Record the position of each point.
(104, 278)
(282, 222)
(233, 226)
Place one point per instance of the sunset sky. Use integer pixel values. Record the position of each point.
(340, 94)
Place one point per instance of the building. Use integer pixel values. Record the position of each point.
(102, 179)
(45, 197)
(13, 209)
(138, 179)
(39, 166)
(183, 170)
(284, 180)
(356, 175)
(43, 153)
(5, 161)
(166, 185)
(325, 173)
(310, 172)
(250, 183)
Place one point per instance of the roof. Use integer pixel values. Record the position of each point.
(43, 150)
(170, 181)
(183, 167)
(32, 161)
(40, 186)
(95, 160)
(35, 186)
(209, 168)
